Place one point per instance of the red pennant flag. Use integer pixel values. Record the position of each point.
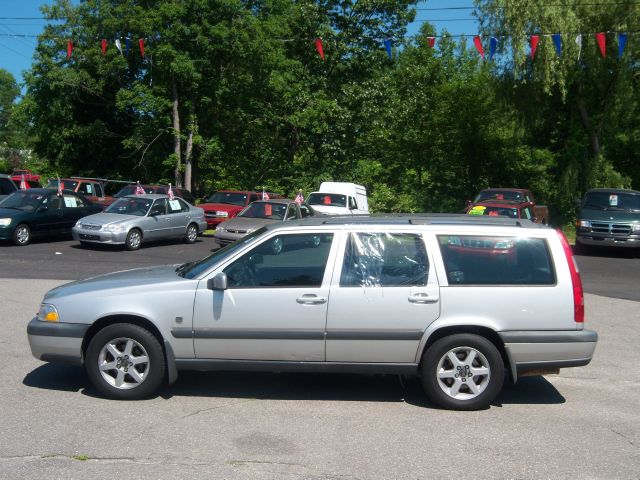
(602, 43)
(319, 47)
(69, 49)
(477, 41)
(141, 45)
(431, 42)
(104, 47)
(534, 45)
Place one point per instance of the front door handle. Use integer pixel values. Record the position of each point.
(311, 299)
(422, 298)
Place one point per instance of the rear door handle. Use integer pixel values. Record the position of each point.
(311, 299)
(422, 298)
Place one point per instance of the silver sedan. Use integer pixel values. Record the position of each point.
(135, 219)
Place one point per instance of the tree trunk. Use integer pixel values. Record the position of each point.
(594, 139)
(176, 131)
(188, 152)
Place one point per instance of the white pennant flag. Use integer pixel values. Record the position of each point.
(119, 45)
(579, 43)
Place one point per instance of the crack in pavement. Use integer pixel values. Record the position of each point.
(230, 404)
(623, 436)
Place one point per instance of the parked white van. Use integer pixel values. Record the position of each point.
(340, 198)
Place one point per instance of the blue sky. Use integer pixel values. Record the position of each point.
(16, 53)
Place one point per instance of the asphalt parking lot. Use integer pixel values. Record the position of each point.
(582, 423)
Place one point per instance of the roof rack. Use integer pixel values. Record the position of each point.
(421, 219)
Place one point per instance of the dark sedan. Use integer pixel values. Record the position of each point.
(41, 212)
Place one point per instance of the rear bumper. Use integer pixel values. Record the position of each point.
(56, 342)
(548, 350)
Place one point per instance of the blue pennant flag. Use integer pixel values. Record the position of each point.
(557, 41)
(622, 42)
(493, 45)
(387, 46)
(127, 46)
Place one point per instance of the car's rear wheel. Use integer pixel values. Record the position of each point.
(191, 234)
(22, 235)
(134, 239)
(125, 362)
(462, 372)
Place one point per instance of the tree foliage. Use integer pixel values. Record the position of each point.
(232, 94)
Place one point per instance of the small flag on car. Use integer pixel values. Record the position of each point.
(170, 193)
(23, 184)
(299, 198)
(265, 195)
(60, 187)
(139, 189)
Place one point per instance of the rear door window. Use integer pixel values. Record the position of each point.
(496, 260)
(384, 260)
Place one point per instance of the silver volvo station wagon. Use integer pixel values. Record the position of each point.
(462, 302)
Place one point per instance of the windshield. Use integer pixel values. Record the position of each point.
(272, 211)
(130, 206)
(24, 200)
(193, 269)
(612, 201)
(327, 199)
(66, 184)
(493, 211)
(230, 198)
(498, 195)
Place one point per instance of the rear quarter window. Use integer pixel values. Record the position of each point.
(496, 260)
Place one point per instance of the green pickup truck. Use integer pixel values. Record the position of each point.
(610, 218)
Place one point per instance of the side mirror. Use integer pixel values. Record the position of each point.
(154, 213)
(218, 282)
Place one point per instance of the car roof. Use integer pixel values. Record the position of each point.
(409, 219)
(613, 190)
(149, 196)
(502, 203)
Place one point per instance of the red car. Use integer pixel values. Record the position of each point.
(226, 204)
(31, 178)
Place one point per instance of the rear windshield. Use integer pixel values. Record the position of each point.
(612, 201)
(499, 195)
(494, 211)
(66, 184)
(492, 260)
(327, 199)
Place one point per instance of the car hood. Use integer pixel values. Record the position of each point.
(244, 223)
(225, 207)
(10, 212)
(609, 215)
(104, 218)
(146, 277)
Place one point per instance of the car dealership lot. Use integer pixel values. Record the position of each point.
(583, 423)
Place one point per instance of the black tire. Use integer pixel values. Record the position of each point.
(487, 359)
(191, 234)
(22, 235)
(134, 239)
(137, 381)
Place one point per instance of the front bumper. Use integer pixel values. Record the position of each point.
(98, 236)
(57, 342)
(6, 233)
(225, 238)
(213, 221)
(546, 350)
(604, 240)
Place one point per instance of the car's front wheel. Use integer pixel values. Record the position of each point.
(133, 240)
(462, 372)
(125, 362)
(22, 235)
(191, 234)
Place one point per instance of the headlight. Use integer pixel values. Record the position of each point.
(5, 221)
(79, 223)
(636, 227)
(115, 228)
(583, 224)
(220, 228)
(48, 313)
(220, 213)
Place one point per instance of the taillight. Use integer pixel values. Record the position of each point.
(578, 294)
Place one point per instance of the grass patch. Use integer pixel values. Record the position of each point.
(81, 457)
